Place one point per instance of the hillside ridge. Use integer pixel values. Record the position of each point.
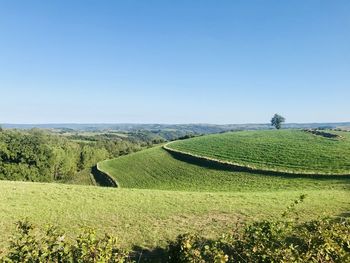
(245, 167)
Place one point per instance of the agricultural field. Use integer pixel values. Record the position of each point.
(286, 151)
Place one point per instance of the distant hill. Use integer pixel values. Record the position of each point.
(194, 128)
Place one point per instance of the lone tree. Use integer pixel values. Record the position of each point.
(277, 121)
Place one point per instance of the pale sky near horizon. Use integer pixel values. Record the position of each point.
(174, 61)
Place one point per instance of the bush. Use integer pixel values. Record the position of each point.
(321, 240)
(315, 241)
(52, 246)
(192, 248)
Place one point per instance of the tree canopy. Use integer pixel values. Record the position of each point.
(37, 155)
(277, 121)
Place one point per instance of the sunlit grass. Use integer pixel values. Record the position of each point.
(293, 151)
(155, 168)
(148, 218)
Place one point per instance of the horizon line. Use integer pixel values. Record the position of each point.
(160, 123)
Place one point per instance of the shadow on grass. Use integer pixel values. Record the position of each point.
(345, 214)
(102, 179)
(210, 164)
(156, 255)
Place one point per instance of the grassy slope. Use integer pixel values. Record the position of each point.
(83, 177)
(232, 194)
(155, 168)
(206, 200)
(283, 150)
(149, 217)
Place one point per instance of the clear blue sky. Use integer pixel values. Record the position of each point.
(174, 61)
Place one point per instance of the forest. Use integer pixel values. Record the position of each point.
(43, 156)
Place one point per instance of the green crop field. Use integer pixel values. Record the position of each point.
(290, 151)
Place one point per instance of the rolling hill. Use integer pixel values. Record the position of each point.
(285, 151)
(155, 168)
(162, 195)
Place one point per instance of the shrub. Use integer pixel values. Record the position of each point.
(315, 241)
(192, 248)
(29, 245)
(322, 240)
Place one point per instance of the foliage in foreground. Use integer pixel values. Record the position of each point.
(314, 241)
(52, 246)
(265, 241)
(270, 241)
(321, 240)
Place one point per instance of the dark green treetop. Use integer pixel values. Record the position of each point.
(277, 121)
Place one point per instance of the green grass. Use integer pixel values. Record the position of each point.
(148, 218)
(155, 168)
(292, 151)
(83, 177)
(161, 197)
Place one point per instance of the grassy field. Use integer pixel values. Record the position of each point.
(293, 151)
(148, 218)
(83, 177)
(161, 196)
(155, 168)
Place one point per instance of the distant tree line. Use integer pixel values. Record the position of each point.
(36, 155)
